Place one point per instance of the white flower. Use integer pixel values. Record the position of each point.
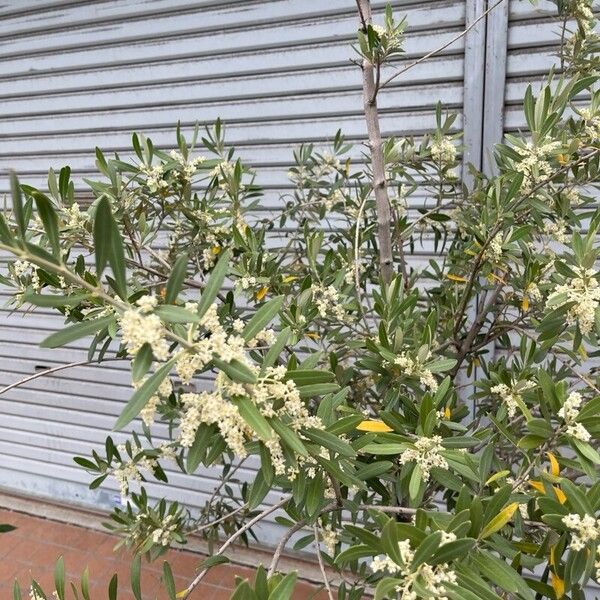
(328, 302)
(511, 396)
(426, 454)
(147, 303)
(534, 165)
(138, 329)
(164, 534)
(584, 291)
(584, 530)
(578, 431)
(443, 152)
(432, 578)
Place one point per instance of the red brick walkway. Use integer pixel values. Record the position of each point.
(31, 550)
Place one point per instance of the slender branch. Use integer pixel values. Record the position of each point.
(220, 519)
(232, 539)
(54, 370)
(442, 47)
(321, 565)
(282, 544)
(382, 203)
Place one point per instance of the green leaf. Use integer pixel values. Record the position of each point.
(354, 553)
(250, 413)
(195, 454)
(262, 317)
(285, 588)
(142, 394)
(113, 587)
(142, 362)
(175, 314)
(176, 279)
(108, 245)
(329, 441)
(5, 528)
(416, 479)
(136, 567)
(384, 449)
(169, 581)
(386, 587)
(235, 370)
(54, 301)
(288, 436)
(452, 550)
(49, 220)
(59, 578)
(76, 332)
(17, 204)
(319, 389)
(498, 572)
(258, 490)
(214, 283)
(275, 349)
(304, 377)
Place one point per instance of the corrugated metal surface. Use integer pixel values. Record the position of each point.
(75, 75)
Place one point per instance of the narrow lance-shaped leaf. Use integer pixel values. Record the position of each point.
(49, 220)
(143, 394)
(76, 332)
(263, 316)
(176, 279)
(17, 204)
(214, 283)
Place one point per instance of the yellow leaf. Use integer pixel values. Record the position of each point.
(216, 249)
(471, 252)
(289, 279)
(498, 475)
(563, 159)
(562, 498)
(554, 466)
(374, 426)
(498, 279)
(262, 292)
(313, 336)
(552, 556)
(537, 485)
(525, 303)
(447, 413)
(456, 278)
(558, 585)
(499, 521)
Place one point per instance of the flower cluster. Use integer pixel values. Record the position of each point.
(23, 268)
(330, 538)
(328, 302)
(426, 454)
(569, 413)
(584, 530)
(512, 395)
(188, 167)
(443, 152)
(432, 579)
(139, 328)
(584, 292)
(163, 535)
(154, 178)
(131, 470)
(414, 368)
(74, 217)
(534, 163)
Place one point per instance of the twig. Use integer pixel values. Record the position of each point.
(220, 519)
(282, 544)
(442, 47)
(54, 370)
(321, 565)
(232, 539)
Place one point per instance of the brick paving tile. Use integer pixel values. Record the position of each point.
(31, 550)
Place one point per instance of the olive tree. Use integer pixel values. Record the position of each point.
(345, 368)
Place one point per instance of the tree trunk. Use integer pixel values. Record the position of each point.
(384, 221)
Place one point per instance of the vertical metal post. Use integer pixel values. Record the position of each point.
(495, 83)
